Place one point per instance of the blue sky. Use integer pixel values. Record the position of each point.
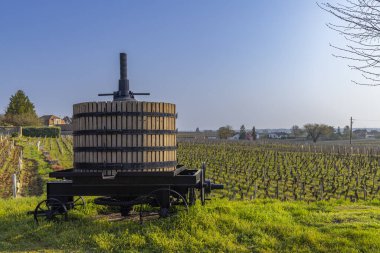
(262, 63)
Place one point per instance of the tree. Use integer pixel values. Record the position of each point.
(346, 131)
(225, 132)
(314, 131)
(197, 130)
(361, 28)
(253, 133)
(296, 131)
(339, 133)
(242, 133)
(2, 120)
(20, 111)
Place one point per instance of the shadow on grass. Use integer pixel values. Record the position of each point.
(85, 231)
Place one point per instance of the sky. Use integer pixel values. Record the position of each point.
(266, 64)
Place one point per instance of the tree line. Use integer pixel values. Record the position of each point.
(309, 131)
(225, 132)
(316, 131)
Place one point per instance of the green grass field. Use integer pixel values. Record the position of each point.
(220, 226)
(279, 197)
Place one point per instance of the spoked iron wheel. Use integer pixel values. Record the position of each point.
(145, 207)
(169, 201)
(202, 190)
(78, 203)
(50, 209)
(125, 205)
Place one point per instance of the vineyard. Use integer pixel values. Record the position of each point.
(31, 159)
(57, 152)
(288, 171)
(278, 170)
(9, 164)
(296, 198)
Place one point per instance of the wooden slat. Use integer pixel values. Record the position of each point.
(129, 157)
(124, 143)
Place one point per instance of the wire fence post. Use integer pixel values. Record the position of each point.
(14, 185)
(20, 164)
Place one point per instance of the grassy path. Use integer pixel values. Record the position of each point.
(35, 169)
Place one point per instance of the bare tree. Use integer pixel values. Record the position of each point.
(225, 132)
(314, 131)
(360, 25)
(296, 131)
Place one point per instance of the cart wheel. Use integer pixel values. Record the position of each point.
(50, 209)
(79, 203)
(168, 199)
(202, 194)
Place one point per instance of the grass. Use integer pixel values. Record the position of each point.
(56, 148)
(36, 169)
(30, 151)
(220, 226)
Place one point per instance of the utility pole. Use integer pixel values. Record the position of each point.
(350, 130)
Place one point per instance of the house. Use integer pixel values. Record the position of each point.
(68, 120)
(370, 136)
(248, 136)
(235, 137)
(360, 133)
(51, 120)
(278, 135)
(373, 134)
